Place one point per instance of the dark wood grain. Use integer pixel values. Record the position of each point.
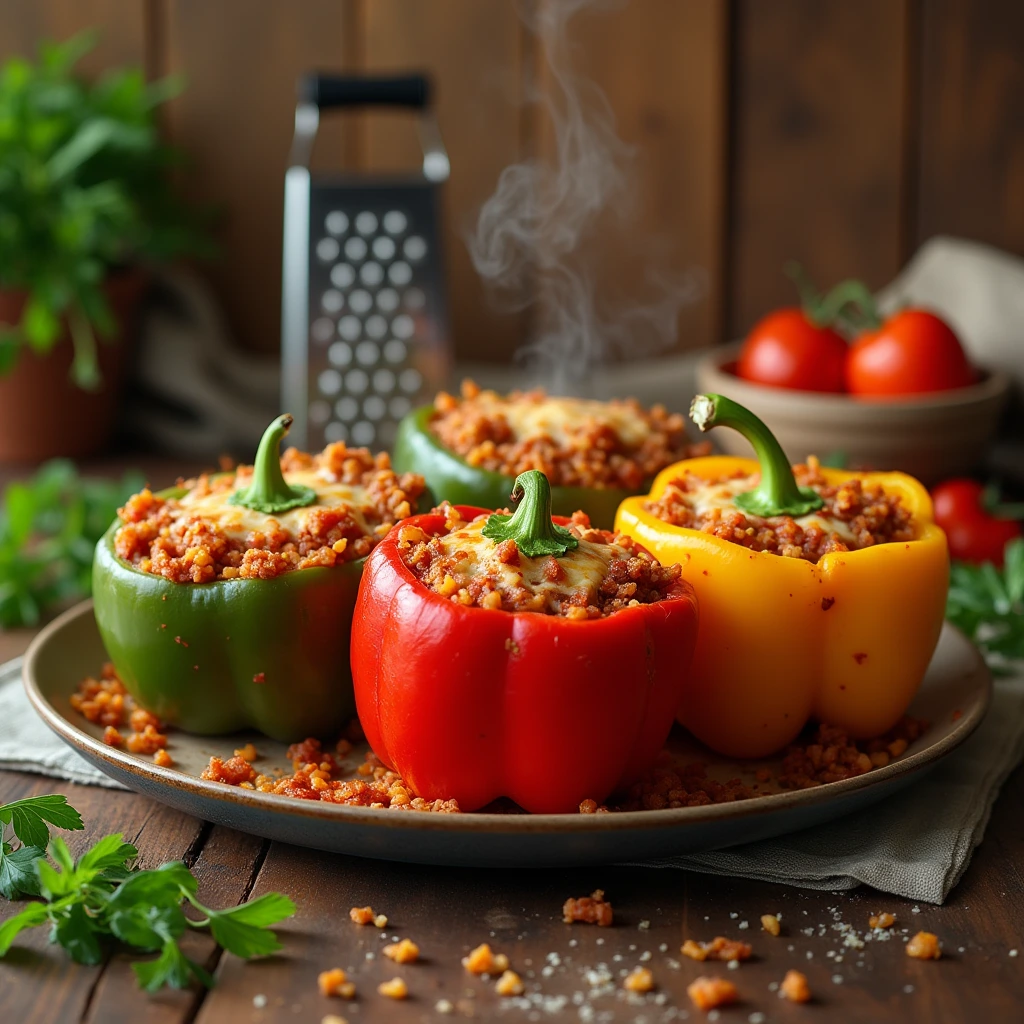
(818, 130)
(971, 96)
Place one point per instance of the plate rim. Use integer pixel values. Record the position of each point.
(481, 822)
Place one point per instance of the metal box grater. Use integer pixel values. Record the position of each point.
(364, 322)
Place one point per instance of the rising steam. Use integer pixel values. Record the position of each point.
(538, 237)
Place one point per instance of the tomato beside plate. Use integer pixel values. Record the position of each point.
(788, 350)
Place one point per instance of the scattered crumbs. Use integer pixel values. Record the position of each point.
(908, 989)
(757, 1017)
(644, 925)
(663, 948)
(646, 955)
(370, 955)
(1013, 952)
(770, 923)
(444, 1006)
(574, 942)
(733, 965)
(600, 942)
(773, 986)
(810, 954)
(915, 910)
(837, 979)
(259, 1001)
(732, 916)
(961, 949)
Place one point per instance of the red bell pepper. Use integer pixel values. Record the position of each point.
(472, 704)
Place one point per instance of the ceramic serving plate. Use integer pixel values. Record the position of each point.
(953, 698)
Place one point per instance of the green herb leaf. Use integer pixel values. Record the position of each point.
(110, 852)
(243, 930)
(147, 927)
(18, 871)
(163, 887)
(29, 817)
(32, 916)
(172, 968)
(74, 930)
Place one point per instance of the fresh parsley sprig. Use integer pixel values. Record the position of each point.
(28, 820)
(988, 605)
(101, 898)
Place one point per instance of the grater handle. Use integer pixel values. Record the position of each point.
(326, 90)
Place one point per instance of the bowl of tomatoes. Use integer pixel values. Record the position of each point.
(835, 379)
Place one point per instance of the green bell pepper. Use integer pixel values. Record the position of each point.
(212, 658)
(450, 478)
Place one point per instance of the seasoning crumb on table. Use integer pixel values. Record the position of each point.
(924, 946)
(404, 952)
(592, 909)
(394, 989)
(483, 960)
(335, 983)
(719, 948)
(794, 987)
(640, 979)
(709, 993)
(333, 1018)
(770, 923)
(883, 920)
(509, 984)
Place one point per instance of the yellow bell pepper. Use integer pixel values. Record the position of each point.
(781, 640)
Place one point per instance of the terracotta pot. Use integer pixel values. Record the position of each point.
(931, 437)
(43, 413)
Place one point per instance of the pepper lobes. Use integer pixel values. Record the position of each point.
(846, 640)
(472, 704)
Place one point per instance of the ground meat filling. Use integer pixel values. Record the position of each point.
(605, 574)
(573, 442)
(855, 515)
(198, 539)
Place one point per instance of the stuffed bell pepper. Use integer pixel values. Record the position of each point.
(822, 594)
(226, 602)
(519, 656)
(594, 454)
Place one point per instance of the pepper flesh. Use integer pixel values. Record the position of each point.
(450, 478)
(472, 704)
(846, 640)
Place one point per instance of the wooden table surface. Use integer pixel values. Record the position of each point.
(448, 911)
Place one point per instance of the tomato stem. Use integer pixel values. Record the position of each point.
(269, 492)
(531, 527)
(778, 493)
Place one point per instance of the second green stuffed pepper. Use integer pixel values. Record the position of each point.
(595, 454)
(227, 603)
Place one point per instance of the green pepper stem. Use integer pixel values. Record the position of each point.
(531, 527)
(778, 493)
(269, 492)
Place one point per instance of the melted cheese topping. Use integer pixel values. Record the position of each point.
(585, 567)
(722, 495)
(565, 419)
(237, 522)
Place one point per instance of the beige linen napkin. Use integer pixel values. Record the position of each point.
(915, 844)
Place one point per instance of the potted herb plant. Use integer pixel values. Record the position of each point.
(86, 206)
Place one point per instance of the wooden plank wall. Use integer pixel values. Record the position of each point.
(841, 133)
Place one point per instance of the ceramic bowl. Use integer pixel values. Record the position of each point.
(931, 437)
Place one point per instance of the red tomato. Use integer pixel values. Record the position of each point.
(785, 350)
(973, 534)
(912, 352)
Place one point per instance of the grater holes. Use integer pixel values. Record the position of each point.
(395, 222)
(400, 273)
(332, 301)
(360, 301)
(399, 406)
(384, 381)
(403, 327)
(350, 328)
(355, 249)
(366, 223)
(319, 411)
(376, 326)
(414, 298)
(327, 250)
(395, 351)
(383, 248)
(367, 354)
(322, 329)
(371, 274)
(336, 223)
(342, 275)
(335, 431)
(357, 381)
(374, 407)
(410, 380)
(329, 382)
(363, 433)
(387, 300)
(339, 354)
(346, 408)
(414, 248)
